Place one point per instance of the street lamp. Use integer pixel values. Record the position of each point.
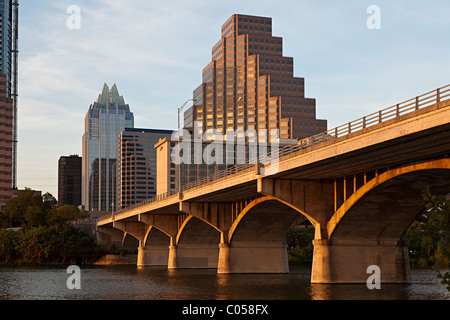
(179, 165)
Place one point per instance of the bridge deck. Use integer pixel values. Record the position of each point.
(416, 136)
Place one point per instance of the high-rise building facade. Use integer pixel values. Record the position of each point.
(105, 120)
(249, 84)
(69, 180)
(6, 44)
(6, 137)
(137, 166)
(8, 98)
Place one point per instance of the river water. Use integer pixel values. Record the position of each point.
(158, 283)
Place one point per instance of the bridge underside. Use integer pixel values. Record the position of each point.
(372, 230)
(361, 191)
(367, 229)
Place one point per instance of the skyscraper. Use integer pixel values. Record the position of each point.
(6, 34)
(69, 180)
(6, 137)
(137, 164)
(105, 120)
(8, 97)
(249, 84)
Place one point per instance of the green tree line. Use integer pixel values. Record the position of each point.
(43, 235)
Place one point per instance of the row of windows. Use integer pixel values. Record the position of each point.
(254, 20)
(254, 28)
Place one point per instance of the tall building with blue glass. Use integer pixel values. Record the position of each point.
(6, 44)
(105, 120)
(8, 99)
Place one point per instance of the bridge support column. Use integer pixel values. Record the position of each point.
(172, 262)
(193, 256)
(253, 257)
(346, 261)
(153, 256)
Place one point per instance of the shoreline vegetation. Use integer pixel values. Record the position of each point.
(42, 235)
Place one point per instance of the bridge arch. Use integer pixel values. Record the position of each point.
(196, 245)
(370, 226)
(387, 205)
(129, 241)
(156, 236)
(194, 225)
(257, 238)
(155, 248)
(272, 201)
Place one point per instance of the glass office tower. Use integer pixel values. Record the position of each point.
(105, 120)
(6, 43)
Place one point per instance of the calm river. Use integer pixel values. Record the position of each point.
(131, 283)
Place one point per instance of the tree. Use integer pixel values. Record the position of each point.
(429, 234)
(17, 207)
(436, 226)
(28, 209)
(300, 248)
(69, 212)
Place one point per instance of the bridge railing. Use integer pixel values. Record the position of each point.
(370, 120)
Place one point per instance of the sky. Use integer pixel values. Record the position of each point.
(155, 52)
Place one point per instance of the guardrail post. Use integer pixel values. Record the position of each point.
(364, 122)
(438, 95)
(380, 116)
(398, 110)
(417, 103)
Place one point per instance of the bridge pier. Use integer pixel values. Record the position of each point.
(193, 256)
(153, 256)
(155, 249)
(253, 257)
(346, 261)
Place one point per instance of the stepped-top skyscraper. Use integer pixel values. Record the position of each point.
(105, 120)
(249, 84)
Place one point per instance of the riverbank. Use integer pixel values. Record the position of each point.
(113, 259)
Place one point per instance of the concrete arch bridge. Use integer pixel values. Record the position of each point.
(359, 185)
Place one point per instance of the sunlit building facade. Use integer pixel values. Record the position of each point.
(249, 84)
(137, 177)
(6, 101)
(105, 120)
(6, 137)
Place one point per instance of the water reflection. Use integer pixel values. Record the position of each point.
(357, 292)
(158, 283)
